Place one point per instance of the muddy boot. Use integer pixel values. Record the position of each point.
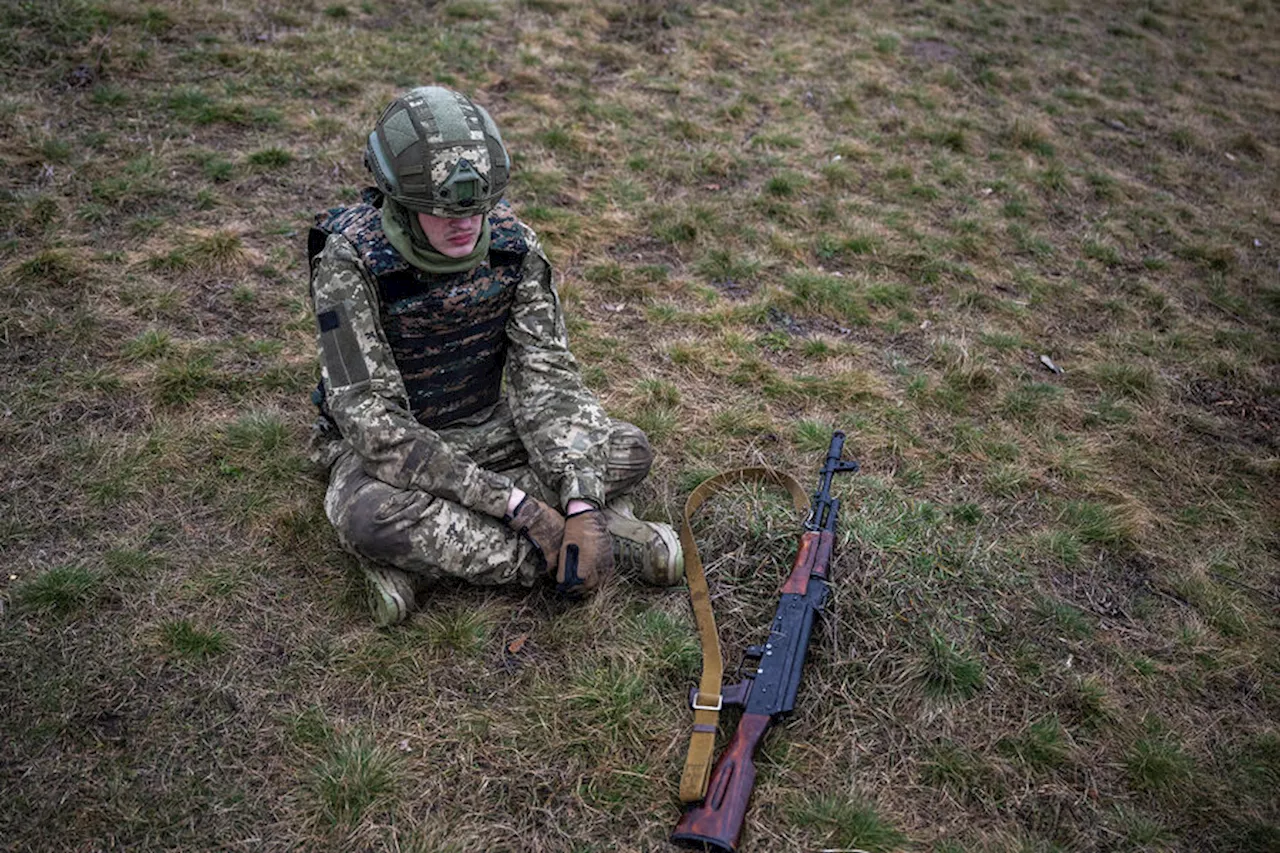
(390, 593)
(650, 549)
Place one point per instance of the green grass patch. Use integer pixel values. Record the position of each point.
(720, 265)
(51, 268)
(61, 590)
(664, 642)
(1096, 523)
(185, 640)
(463, 629)
(844, 823)
(1041, 746)
(945, 671)
(1063, 619)
(608, 703)
(954, 768)
(355, 775)
(831, 296)
(270, 158)
(1124, 380)
(1157, 764)
(785, 184)
(180, 380)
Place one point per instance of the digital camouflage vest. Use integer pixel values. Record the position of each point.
(446, 332)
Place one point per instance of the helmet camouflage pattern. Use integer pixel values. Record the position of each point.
(438, 152)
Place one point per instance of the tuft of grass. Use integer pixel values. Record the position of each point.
(740, 421)
(1087, 703)
(655, 408)
(270, 158)
(107, 95)
(463, 629)
(264, 433)
(51, 268)
(1063, 618)
(832, 296)
(951, 766)
(1007, 480)
(785, 184)
(1138, 830)
(218, 169)
(721, 265)
(186, 640)
(665, 642)
(1041, 746)
(1157, 764)
(1124, 380)
(1221, 607)
(608, 703)
(812, 436)
(133, 563)
(845, 823)
(354, 775)
(946, 671)
(1099, 524)
(1219, 257)
(1030, 136)
(181, 380)
(61, 590)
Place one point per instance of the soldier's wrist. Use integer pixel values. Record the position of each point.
(577, 505)
(513, 502)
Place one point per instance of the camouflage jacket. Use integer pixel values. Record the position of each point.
(562, 425)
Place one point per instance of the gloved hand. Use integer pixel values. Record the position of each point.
(586, 556)
(543, 527)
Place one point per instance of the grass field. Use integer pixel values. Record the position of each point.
(1056, 613)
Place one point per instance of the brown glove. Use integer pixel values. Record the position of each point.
(543, 527)
(586, 557)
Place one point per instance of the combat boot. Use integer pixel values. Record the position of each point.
(391, 594)
(648, 548)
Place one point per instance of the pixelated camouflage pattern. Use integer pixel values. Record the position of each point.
(435, 538)
(423, 135)
(447, 332)
(557, 420)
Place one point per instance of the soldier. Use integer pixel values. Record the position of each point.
(459, 437)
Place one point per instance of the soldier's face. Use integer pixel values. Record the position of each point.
(453, 238)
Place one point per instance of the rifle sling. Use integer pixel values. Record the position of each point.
(708, 701)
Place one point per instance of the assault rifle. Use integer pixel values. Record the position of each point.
(771, 672)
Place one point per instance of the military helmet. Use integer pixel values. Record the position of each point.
(438, 152)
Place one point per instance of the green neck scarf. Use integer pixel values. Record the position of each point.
(404, 233)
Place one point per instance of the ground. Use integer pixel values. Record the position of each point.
(1024, 254)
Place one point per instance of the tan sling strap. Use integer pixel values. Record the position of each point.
(708, 700)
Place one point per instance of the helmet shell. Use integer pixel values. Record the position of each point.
(437, 151)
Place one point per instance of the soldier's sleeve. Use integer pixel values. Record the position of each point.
(366, 397)
(564, 427)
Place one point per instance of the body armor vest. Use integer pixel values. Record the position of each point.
(447, 332)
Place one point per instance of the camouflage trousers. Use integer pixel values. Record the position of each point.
(434, 538)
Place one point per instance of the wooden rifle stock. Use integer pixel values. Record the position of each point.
(716, 823)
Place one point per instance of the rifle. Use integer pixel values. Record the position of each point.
(771, 671)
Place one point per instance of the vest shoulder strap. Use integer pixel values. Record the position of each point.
(362, 225)
(507, 243)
